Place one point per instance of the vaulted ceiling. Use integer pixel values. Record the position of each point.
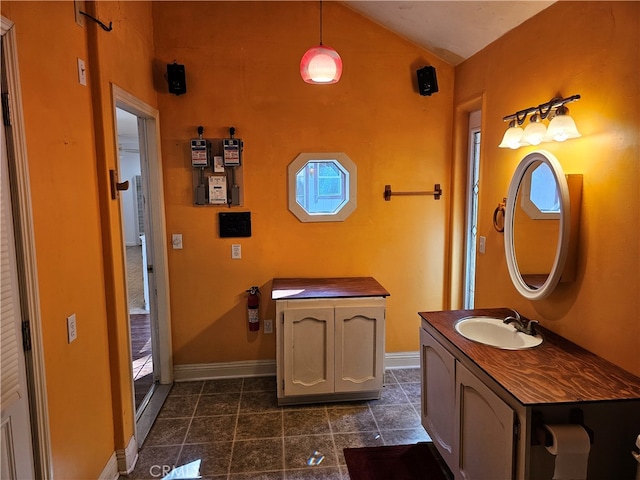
(453, 30)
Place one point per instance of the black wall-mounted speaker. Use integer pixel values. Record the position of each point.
(427, 81)
(177, 79)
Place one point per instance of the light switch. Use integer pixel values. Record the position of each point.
(482, 244)
(236, 251)
(82, 72)
(72, 331)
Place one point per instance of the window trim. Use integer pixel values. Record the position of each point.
(349, 205)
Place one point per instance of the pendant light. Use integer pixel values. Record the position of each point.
(321, 64)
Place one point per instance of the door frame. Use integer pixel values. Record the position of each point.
(125, 101)
(27, 265)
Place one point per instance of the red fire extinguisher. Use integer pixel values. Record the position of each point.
(253, 308)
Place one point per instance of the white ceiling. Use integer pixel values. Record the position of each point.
(452, 30)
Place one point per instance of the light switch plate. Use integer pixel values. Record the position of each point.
(72, 331)
(82, 72)
(482, 244)
(236, 251)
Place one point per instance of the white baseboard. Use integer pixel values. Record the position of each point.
(110, 471)
(121, 462)
(206, 371)
(402, 360)
(128, 457)
(263, 368)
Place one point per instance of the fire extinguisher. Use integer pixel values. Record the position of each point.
(253, 308)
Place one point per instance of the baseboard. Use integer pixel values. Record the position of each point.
(127, 457)
(402, 360)
(206, 371)
(263, 368)
(110, 471)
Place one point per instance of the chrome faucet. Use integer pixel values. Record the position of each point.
(521, 323)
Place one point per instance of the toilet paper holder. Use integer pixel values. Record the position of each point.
(542, 436)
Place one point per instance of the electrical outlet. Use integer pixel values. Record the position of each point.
(236, 250)
(82, 72)
(176, 241)
(482, 244)
(268, 326)
(72, 331)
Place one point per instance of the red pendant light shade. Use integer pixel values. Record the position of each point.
(321, 64)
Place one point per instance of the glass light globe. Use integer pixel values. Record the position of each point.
(512, 137)
(321, 64)
(534, 132)
(561, 128)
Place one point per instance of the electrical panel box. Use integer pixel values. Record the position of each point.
(217, 174)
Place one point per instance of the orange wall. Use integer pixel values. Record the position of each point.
(245, 73)
(88, 418)
(591, 49)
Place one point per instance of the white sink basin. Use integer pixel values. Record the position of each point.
(494, 332)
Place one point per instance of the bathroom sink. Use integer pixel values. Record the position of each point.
(494, 332)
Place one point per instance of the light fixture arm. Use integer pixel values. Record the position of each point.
(544, 109)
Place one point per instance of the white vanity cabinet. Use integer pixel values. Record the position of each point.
(330, 339)
(485, 408)
(472, 428)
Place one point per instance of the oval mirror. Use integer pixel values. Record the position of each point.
(537, 220)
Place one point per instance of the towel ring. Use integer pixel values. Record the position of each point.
(498, 223)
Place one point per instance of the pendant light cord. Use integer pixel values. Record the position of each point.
(320, 22)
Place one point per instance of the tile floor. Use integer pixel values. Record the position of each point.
(232, 429)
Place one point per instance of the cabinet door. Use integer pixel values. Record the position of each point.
(308, 351)
(359, 348)
(438, 395)
(485, 429)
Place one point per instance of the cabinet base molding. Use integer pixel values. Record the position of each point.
(328, 398)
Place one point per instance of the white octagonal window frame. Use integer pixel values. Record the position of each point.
(345, 189)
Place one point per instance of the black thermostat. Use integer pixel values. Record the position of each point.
(235, 224)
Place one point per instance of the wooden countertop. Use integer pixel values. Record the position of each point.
(557, 371)
(347, 287)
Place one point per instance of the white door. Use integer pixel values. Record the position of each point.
(359, 348)
(485, 430)
(16, 460)
(308, 355)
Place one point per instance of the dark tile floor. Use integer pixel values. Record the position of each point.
(233, 429)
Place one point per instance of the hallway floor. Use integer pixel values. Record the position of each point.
(233, 429)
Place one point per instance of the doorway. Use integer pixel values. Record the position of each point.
(132, 202)
(144, 241)
(471, 227)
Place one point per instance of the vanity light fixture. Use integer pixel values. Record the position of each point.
(561, 125)
(321, 64)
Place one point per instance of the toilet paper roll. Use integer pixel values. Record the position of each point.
(571, 447)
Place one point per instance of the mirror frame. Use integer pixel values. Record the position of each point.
(565, 223)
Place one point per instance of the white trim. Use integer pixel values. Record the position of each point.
(263, 368)
(128, 457)
(28, 265)
(207, 371)
(110, 470)
(402, 360)
(125, 100)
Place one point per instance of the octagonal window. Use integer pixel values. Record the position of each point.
(322, 187)
(541, 199)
